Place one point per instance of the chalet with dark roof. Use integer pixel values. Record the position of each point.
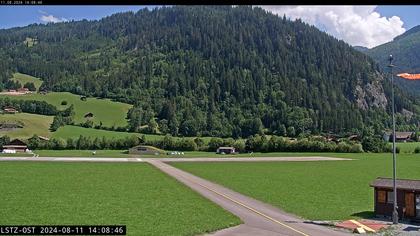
(401, 136)
(16, 145)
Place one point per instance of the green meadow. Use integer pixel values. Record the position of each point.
(137, 195)
(108, 112)
(408, 147)
(70, 131)
(23, 79)
(325, 190)
(33, 124)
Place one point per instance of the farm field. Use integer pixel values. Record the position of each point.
(23, 79)
(108, 112)
(333, 190)
(137, 195)
(33, 124)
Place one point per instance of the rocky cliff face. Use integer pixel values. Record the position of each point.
(371, 94)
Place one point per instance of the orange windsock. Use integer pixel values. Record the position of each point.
(409, 76)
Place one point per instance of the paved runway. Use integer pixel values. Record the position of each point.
(259, 218)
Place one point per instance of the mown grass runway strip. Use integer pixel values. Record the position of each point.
(135, 194)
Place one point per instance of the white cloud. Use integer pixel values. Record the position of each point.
(357, 25)
(50, 18)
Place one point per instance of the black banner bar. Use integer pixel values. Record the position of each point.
(63, 230)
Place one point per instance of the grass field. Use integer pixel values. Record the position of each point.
(33, 124)
(23, 79)
(82, 153)
(315, 190)
(104, 110)
(137, 195)
(70, 131)
(408, 147)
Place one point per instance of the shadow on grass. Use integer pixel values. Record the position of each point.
(364, 214)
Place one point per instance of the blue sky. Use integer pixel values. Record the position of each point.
(363, 25)
(410, 15)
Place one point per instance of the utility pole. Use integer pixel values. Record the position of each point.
(394, 160)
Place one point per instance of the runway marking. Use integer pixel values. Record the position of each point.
(362, 225)
(251, 209)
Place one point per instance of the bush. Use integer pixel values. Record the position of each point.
(388, 148)
(239, 145)
(4, 140)
(30, 86)
(356, 148)
(63, 102)
(88, 124)
(374, 144)
(215, 143)
(417, 150)
(187, 144)
(58, 143)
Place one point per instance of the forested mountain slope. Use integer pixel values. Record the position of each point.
(220, 71)
(406, 51)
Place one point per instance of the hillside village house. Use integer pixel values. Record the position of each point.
(15, 146)
(88, 115)
(23, 90)
(408, 198)
(399, 136)
(10, 110)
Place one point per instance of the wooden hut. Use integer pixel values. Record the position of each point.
(88, 115)
(408, 197)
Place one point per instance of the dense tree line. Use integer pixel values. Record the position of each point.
(29, 106)
(256, 143)
(83, 143)
(65, 117)
(208, 71)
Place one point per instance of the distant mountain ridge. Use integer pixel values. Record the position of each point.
(405, 49)
(361, 48)
(209, 70)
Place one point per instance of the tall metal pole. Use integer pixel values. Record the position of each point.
(394, 160)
